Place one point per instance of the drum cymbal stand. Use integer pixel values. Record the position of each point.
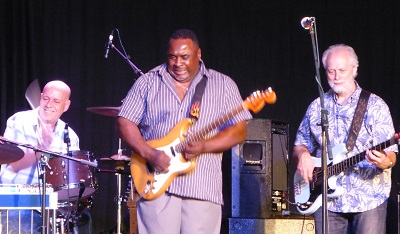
(119, 168)
(119, 162)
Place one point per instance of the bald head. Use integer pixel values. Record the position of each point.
(59, 85)
(54, 101)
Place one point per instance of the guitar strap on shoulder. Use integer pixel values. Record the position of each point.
(196, 100)
(357, 119)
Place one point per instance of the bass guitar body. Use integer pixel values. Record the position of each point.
(308, 195)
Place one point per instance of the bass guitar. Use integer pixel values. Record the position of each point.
(150, 183)
(308, 196)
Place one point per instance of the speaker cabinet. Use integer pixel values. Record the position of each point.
(268, 226)
(398, 213)
(254, 169)
(280, 164)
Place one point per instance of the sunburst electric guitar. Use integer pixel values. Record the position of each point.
(308, 196)
(151, 184)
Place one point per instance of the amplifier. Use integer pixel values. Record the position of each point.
(303, 225)
(278, 201)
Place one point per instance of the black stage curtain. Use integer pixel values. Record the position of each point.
(258, 43)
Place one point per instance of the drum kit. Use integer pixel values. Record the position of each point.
(73, 179)
(72, 176)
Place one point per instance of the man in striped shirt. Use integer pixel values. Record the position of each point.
(154, 105)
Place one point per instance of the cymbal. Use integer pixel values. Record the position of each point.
(115, 160)
(10, 153)
(120, 158)
(105, 110)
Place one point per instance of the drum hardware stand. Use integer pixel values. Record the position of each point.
(44, 162)
(118, 171)
(77, 214)
(119, 197)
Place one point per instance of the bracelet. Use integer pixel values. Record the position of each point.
(390, 164)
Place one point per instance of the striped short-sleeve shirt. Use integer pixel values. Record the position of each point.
(153, 104)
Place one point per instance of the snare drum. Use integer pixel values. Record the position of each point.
(67, 176)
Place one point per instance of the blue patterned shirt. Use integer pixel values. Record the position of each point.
(370, 186)
(153, 104)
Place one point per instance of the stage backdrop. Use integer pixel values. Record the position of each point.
(258, 43)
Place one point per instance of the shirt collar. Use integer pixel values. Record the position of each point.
(58, 129)
(354, 96)
(163, 72)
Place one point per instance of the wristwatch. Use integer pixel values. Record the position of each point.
(390, 164)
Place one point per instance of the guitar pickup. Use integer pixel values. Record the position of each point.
(253, 162)
(172, 151)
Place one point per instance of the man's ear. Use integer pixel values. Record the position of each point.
(66, 107)
(199, 53)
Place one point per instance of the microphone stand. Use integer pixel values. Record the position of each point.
(51, 153)
(118, 170)
(326, 147)
(133, 66)
(44, 162)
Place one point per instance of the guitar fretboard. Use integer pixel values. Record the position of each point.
(203, 132)
(338, 168)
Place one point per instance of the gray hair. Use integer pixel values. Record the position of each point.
(337, 47)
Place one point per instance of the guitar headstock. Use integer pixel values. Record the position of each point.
(256, 101)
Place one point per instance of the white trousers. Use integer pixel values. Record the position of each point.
(170, 214)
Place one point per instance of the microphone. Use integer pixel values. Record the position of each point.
(81, 188)
(108, 46)
(66, 136)
(307, 22)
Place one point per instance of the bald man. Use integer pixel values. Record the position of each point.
(41, 127)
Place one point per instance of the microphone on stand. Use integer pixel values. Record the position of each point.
(81, 188)
(79, 206)
(108, 46)
(66, 136)
(307, 22)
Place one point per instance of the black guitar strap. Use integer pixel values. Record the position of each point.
(196, 100)
(357, 119)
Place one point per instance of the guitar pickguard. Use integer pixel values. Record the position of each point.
(177, 165)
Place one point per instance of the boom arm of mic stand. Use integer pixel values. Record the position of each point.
(135, 69)
(51, 153)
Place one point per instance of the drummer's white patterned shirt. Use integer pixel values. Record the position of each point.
(22, 127)
(153, 104)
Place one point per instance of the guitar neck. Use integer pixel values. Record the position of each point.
(338, 168)
(203, 132)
